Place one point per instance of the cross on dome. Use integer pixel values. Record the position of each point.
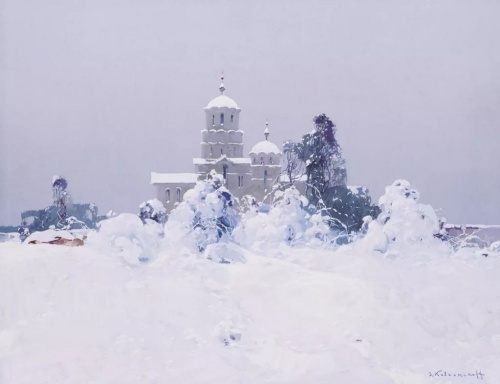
(266, 131)
(221, 87)
(222, 101)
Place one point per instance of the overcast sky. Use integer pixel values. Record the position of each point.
(103, 92)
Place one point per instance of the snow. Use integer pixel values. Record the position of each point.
(222, 101)
(162, 178)
(277, 304)
(49, 235)
(285, 315)
(265, 147)
(156, 205)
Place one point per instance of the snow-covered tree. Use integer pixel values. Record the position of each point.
(154, 210)
(403, 219)
(287, 222)
(347, 206)
(321, 154)
(293, 165)
(61, 214)
(318, 159)
(206, 213)
(402, 225)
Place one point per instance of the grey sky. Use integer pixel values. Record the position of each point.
(103, 92)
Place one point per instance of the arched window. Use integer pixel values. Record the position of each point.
(213, 119)
(178, 194)
(231, 118)
(224, 172)
(211, 151)
(262, 160)
(265, 177)
(167, 195)
(222, 119)
(271, 160)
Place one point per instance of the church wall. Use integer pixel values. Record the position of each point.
(213, 150)
(261, 192)
(235, 137)
(175, 197)
(221, 136)
(273, 172)
(266, 159)
(213, 118)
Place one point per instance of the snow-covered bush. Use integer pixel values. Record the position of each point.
(286, 222)
(153, 209)
(205, 215)
(127, 236)
(403, 220)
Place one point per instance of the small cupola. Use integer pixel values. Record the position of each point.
(265, 152)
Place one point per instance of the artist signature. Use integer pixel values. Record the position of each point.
(478, 374)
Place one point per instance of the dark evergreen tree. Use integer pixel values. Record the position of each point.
(318, 159)
(347, 206)
(321, 155)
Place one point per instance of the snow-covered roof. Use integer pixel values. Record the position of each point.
(473, 226)
(222, 101)
(234, 160)
(162, 178)
(265, 147)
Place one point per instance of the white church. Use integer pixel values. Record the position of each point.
(222, 151)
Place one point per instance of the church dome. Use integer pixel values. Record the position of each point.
(265, 147)
(222, 101)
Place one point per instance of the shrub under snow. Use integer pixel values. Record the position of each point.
(126, 236)
(205, 215)
(403, 219)
(153, 209)
(286, 222)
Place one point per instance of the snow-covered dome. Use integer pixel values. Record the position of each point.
(222, 101)
(265, 147)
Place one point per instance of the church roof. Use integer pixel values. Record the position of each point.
(222, 101)
(265, 147)
(178, 178)
(234, 160)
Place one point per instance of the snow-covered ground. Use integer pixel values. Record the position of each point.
(278, 302)
(283, 315)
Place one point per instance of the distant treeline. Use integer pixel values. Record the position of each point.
(8, 228)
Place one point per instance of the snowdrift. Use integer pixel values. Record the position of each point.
(279, 303)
